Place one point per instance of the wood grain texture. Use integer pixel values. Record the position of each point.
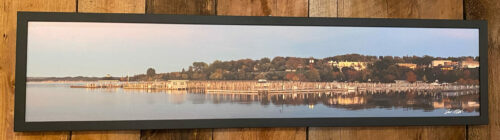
(387, 133)
(105, 135)
(427, 9)
(260, 134)
(324, 133)
(293, 8)
(180, 134)
(423, 9)
(323, 8)
(287, 8)
(362, 8)
(246, 7)
(182, 7)
(42, 135)
(6, 72)
(109, 6)
(6, 101)
(8, 17)
(488, 10)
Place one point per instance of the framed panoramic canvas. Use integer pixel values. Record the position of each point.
(131, 71)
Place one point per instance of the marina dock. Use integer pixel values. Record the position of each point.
(279, 87)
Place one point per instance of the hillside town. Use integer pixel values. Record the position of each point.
(341, 68)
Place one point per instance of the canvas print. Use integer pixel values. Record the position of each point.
(92, 71)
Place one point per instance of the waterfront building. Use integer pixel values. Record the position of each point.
(436, 63)
(408, 65)
(469, 64)
(178, 84)
(447, 68)
(100, 84)
(170, 84)
(311, 61)
(356, 65)
(333, 63)
(452, 64)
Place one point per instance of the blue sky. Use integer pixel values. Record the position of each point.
(96, 49)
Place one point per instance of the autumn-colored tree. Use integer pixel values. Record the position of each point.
(294, 76)
(411, 77)
(294, 63)
(462, 81)
(389, 78)
(338, 76)
(474, 82)
(290, 76)
(352, 75)
(313, 75)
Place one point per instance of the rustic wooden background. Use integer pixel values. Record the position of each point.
(424, 9)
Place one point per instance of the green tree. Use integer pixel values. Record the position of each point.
(265, 60)
(264, 64)
(151, 72)
(278, 63)
(199, 66)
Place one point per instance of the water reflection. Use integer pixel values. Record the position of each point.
(58, 102)
(467, 101)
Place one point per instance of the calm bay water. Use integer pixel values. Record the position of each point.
(59, 102)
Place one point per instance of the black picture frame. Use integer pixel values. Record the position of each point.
(21, 60)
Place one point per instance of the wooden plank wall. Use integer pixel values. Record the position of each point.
(424, 9)
(488, 10)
